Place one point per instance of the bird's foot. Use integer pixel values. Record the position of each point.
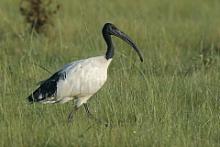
(70, 118)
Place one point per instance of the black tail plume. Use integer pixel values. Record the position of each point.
(35, 96)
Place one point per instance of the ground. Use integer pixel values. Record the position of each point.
(172, 99)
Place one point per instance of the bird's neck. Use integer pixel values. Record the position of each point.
(110, 47)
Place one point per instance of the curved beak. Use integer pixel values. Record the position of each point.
(116, 32)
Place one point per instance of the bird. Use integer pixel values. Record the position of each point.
(79, 80)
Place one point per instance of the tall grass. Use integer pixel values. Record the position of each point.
(172, 99)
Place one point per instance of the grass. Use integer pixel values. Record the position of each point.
(172, 99)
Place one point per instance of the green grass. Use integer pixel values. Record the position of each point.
(172, 99)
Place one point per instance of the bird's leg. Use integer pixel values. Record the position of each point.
(70, 116)
(90, 114)
(87, 110)
(93, 117)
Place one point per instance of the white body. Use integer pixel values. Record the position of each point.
(82, 80)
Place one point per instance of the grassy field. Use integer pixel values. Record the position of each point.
(172, 99)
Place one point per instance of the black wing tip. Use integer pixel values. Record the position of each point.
(142, 60)
(31, 99)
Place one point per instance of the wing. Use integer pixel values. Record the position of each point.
(48, 88)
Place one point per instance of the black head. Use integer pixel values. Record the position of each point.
(110, 29)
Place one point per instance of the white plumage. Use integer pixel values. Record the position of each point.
(81, 79)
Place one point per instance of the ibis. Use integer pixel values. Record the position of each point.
(80, 80)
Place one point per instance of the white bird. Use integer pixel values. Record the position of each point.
(81, 79)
